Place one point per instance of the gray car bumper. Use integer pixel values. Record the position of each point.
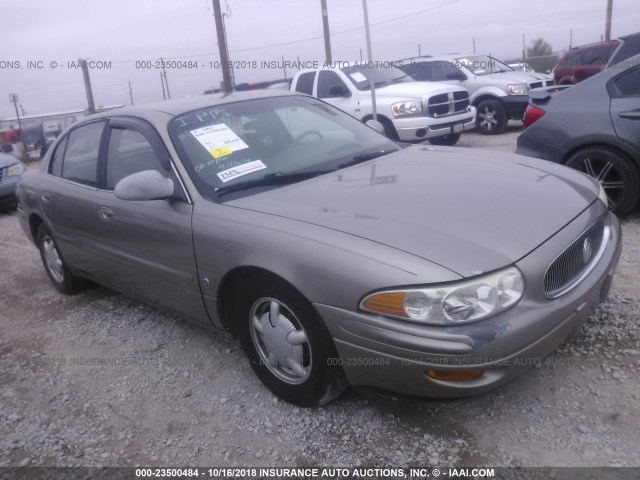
(393, 355)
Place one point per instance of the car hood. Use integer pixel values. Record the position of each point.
(470, 211)
(7, 160)
(415, 89)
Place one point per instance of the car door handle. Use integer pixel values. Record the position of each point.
(45, 197)
(632, 114)
(105, 214)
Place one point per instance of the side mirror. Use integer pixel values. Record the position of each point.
(146, 185)
(339, 91)
(376, 125)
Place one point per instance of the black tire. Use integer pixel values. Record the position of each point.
(55, 266)
(448, 140)
(389, 130)
(322, 380)
(491, 117)
(616, 173)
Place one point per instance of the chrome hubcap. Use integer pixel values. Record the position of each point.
(280, 340)
(604, 172)
(52, 259)
(488, 119)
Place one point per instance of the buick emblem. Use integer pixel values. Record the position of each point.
(587, 250)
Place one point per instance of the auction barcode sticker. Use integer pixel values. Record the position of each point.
(240, 170)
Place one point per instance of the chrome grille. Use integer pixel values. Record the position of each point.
(446, 104)
(576, 261)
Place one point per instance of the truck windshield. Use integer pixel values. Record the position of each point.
(360, 76)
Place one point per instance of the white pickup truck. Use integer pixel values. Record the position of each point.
(409, 111)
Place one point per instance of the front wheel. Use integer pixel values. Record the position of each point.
(614, 171)
(57, 270)
(491, 117)
(448, 140)
(287, 344)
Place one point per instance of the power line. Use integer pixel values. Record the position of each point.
(309, 39)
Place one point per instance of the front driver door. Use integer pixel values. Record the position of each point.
(146, 245)
(625, 106)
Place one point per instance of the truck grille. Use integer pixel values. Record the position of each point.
(446, 104)
(541, 83)
(576, 261)
(1, 174)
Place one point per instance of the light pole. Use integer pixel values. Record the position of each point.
(372, 82)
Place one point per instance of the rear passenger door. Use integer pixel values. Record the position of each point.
(68, 193)
(625, 106)
(146, 246)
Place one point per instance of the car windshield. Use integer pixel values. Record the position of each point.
(482, 65)
(253, 145)
(360, 76)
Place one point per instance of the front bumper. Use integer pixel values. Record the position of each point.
(8, 189)
(382, 353)
(416, 129)
(515, 105)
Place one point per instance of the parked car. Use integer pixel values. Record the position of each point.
(409, 111)
(10, 170)
(629, 47)
(580, 63)
(336, 255)
(497, 91)
(593, 127)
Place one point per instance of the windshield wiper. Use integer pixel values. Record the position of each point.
(277, 178)
(363, 157)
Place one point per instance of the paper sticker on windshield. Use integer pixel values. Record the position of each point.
(358, 77)
(240, 170)
(219, 140)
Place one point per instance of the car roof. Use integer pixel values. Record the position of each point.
(448, 56)
(182, 105)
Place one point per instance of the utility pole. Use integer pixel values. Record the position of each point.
(570, 38)
(130, 94)
(87, 86)
(227, 87)
(325, 26)
(607, 25)
(164, 95)
(474, 45)
(163, 75)
(13, 97)
(372, 82)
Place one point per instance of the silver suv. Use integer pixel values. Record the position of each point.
(498, 92)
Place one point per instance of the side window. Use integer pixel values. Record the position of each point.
(305, 83)
(629, 84)
(129, 152)
(572, 59)
(441, 70)
(595, 56)
(81, 155)
(420, 71)
(326, 80)
(55, 165)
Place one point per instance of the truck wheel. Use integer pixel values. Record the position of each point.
(491, 118)
(447, 140)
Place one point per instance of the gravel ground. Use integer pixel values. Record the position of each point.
(100, 379)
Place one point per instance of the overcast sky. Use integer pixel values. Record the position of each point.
(125, 31)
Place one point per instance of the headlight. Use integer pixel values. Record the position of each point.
(15, 169)
(517, 89)
(602, 195)
(406, 109)
(456, 303)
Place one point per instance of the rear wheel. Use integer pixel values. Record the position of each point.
(614, 171)
(58, 271)
(491, 117)
(287, 344)
(447, 140)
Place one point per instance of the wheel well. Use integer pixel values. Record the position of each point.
(382, 119)
(229, 292)
(571, 152)
(482, 98)
(34, 224)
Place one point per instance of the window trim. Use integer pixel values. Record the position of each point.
(66, 136)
